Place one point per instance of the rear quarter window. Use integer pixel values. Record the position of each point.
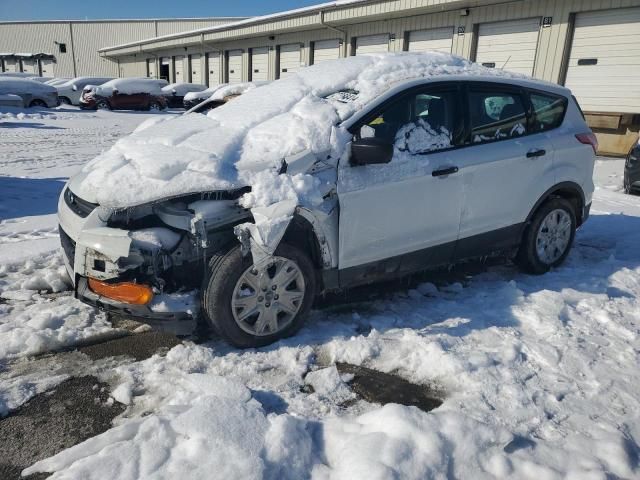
(548, 111)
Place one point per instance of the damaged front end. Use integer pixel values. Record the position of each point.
(112, 256)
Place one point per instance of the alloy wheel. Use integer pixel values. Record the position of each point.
(554, 236)
(265, 301)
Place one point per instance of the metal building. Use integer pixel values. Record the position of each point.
(592, 46)
(70, 48)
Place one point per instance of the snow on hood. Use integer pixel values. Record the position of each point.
(130, 86)
(204, 94)
(229, 146)
(181, 89)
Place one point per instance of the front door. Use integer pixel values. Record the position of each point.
(411, 205)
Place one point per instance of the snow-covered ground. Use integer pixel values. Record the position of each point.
(539, 375)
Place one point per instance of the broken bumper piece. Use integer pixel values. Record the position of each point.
(177, 322)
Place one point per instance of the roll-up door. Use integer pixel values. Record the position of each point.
(47, 67)
(178, 65)
(30, 65)
(213, 68)
(604, 62)
(436, 39)
(289, 59)
(234, 66)
(196, 68)
(11, 65)
(260, 64)
(372, 44)
(151, 68)
(324, 50)
(509, 45)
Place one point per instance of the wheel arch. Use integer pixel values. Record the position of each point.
(570, 191)
(305, 233)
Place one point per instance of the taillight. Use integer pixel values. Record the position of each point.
(588, 139)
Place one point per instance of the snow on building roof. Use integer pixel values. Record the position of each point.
(255, 132)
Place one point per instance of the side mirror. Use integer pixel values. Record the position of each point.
(74, 88)
(370, 151)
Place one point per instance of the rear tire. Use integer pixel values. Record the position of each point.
(548, 238)
(280, 296)
(103, 105)
(37, 103)
(155, 107)
(64, 101)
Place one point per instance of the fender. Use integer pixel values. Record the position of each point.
(574, 189)
(326, 243)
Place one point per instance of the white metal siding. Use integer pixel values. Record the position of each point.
(213, 68)
(260, 64)
(196, 68)
(510, 45)
(289, 59)
(151, 68)
(234, 66)
(324, 50)
(372, 44)
(436, 39)
(178, 62)
(612, 37)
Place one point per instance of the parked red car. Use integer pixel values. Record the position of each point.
(125, 94)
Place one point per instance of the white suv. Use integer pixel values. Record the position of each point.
(407, 171)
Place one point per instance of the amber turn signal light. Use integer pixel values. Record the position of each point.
(126, 292)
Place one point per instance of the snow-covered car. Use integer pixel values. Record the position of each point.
(346, 173)
(71, 90)
(11, 101)
(125, 94)
(33, 94)
(220, 93)
(57, 81)
(175, 92)
(631, 180)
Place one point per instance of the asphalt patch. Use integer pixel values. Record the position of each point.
(77, 409)
(139, 346)
(378, 387)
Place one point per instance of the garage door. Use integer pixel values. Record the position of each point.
(289, 59)
(47, 67)
(234, 66)
(11, 65)
(151, 68)
(196, 68)
(437, 39)
(372, 44)
(509, 45)
(29, 65)
(213, 68)
(604, 63)
(260, 64)
(178, 63)
(324, 50)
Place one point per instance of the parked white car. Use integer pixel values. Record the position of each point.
(57, 81)
(9, 100)
(33, 94)
(345, 173)
(71, 90)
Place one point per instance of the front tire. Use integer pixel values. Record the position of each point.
(103, 105)
(252, 308)
(155, 107)
(548, 238)
(37, 103)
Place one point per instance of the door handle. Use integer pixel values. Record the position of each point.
(536, 152)
(444, 171)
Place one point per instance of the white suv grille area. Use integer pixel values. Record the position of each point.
(80, 207)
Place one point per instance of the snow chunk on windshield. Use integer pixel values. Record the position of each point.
(256, 131)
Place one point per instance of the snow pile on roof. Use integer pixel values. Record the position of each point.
(129, 86)
(181, 89)
(10, 85)
(254, 132)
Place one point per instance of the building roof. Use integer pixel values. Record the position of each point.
(117, 20)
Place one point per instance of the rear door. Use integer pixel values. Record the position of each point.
(410, 205)
(507, 166)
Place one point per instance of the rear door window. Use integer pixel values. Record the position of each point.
(496, 115)
(548, 110)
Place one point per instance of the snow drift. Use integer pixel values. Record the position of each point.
(255, 132)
